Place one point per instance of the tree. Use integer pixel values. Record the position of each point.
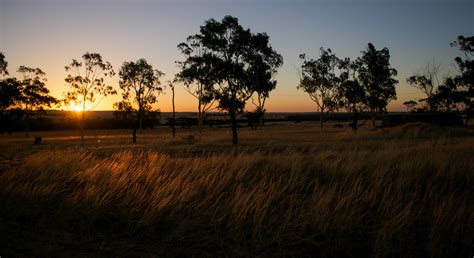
(264, 82)
(376, 77)
(233, 58)
(9, 95)
(465, 79)
(196, 75)
(448, 97)
(9, 87)
(351, 94)
(33, 92)
(411, 104)
(173, 121)
(86, 81)
(426, 79)
(3, 65)
(140, 85)
(318, 79)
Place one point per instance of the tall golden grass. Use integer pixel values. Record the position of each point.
(389, 194)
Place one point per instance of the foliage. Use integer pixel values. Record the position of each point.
(426, 79)
(465, 79)
(3, 65)
(140, 85)
(411, 105)
(318, 78)
(33, 92)
(238, 62)
(376, 77)
(86, 81)
(9, 92)
(196, 74)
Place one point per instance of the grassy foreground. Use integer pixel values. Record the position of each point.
(403, 192)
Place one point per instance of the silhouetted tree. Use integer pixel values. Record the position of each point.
(448, 97)
(233, 58)
(173, 121)
(351, 94)
(264, 82)
(33, 92)
(376, 77)
(196, 75)
(3, 65)
(318, 79)
(9, 88)
(426, 79)
(9, 95)
(9, 92)
(86, 81)
(140, 85)
(411, 104)
(465, 80)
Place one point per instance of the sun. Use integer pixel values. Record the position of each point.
(76, 108)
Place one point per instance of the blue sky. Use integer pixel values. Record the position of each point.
(49, 33)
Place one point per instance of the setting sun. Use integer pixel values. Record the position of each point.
(74, 107)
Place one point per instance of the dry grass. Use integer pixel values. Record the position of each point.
(404, 192)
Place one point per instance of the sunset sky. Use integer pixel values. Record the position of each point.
(49, 33)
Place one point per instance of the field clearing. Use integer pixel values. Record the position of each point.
(286, 190)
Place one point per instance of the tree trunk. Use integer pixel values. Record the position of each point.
(174, 113)
(234, 126)
(355, 126)
(135, 126)
(261, 122)
(321, 119)
(134, 135)
(140, 122)
(83, 118)
(200, 116)
(26, 122)
(373, 118)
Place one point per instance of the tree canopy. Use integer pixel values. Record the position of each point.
(237, 62)
(3, 65)
(86, 81)
(33, 92)
(318, 78)
(377, 78)
(140, 86)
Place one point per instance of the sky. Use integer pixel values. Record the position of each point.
(50, 33)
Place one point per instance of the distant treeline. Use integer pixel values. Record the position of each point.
(42, 121)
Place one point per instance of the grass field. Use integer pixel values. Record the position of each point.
(286, 190)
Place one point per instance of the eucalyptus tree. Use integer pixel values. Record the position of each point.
(196, 75)
(3, 65)
(318, 78)
(376, 76)
(173, 109)
(140, 85)
(233, 62)
(33, 92)
(410, 104)
(351, 94)
(9, 95)
(465, 79)
(86, 82)
(264, 82)
(9, 87)
(427, 81)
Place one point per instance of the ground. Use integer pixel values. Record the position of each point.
(288, 189)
